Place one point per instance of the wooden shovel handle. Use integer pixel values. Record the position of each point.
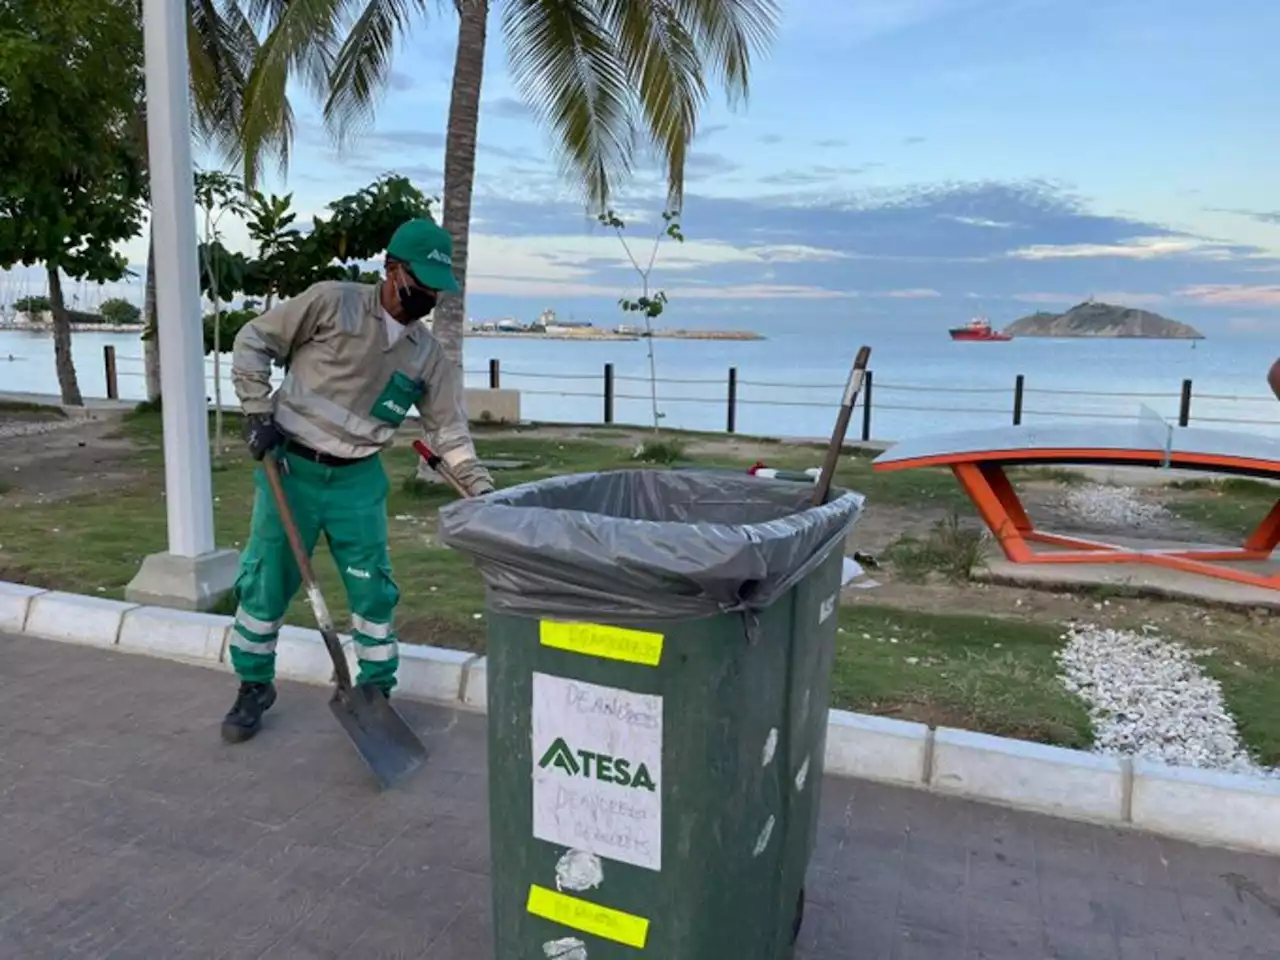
(318, 606)
(857, 375)
(440, 467)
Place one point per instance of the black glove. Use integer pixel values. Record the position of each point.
(262, 434)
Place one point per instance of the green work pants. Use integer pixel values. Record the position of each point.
(348, 504)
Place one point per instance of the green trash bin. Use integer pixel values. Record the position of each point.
(659, 663)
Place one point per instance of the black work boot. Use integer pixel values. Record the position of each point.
(245, 717)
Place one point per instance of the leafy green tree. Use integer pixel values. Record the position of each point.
(229, 322)
(32, 306)
(270, 222)
(119, 311)
(72, 182)
(358, 228)
(603, 75)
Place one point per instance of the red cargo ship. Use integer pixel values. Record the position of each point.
(978, 329)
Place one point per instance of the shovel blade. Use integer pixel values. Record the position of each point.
(384, 741)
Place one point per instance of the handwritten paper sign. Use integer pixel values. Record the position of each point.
(597, 769)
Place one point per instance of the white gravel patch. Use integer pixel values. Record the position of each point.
(1148, 698)
(1115, 506)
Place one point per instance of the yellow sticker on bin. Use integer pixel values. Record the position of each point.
(599, 640)
(588, 917)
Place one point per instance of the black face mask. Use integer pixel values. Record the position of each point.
(416, 302)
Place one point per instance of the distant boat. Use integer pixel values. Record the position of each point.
(977, 329)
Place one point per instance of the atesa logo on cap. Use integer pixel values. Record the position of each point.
(442, 257)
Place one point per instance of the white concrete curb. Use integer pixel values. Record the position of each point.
(877, 748)
(69, 617)
(15, 601)
(1230, 810)
(1034, 776)
(1219, 808)
(432, 673)
(174, 634)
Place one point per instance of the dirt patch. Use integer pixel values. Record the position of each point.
(49, 459)
(937, 595)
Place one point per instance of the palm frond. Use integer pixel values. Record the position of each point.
(300, 44)
(219, 61)
(728, 33)
(222, 45)
(665, 69)
(565, 63)
(265, 11)
(363, 64)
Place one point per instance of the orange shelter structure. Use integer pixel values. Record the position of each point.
(979, 459)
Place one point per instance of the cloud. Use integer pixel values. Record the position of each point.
(832, 143)
(1232, 295)
(913, 141)
(919, 294)
(1262, 216)
(980, 222)
(401, 82)
(507, 108)
(414, 139)
(902, 252)
(1137, 248)
(700, 165)
(573, 258)
(814, 175)
(770, 138)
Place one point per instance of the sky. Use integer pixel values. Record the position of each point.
(920, 161)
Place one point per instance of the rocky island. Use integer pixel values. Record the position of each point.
(1093, 319)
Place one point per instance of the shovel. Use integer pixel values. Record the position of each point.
(384, 741)
(851, 390)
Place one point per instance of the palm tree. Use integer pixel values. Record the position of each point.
(602, 74)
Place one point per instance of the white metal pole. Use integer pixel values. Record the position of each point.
(188, 485)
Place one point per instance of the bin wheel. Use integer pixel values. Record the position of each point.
(799, 917)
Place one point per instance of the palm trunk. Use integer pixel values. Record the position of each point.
(460, 167)
(62, 342)
(151, 329)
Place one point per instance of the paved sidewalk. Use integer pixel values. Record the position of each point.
(127, 830)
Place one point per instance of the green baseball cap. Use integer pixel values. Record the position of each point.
(428, 250)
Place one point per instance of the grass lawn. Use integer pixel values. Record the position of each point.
(990, 673)
(94, 543)
(980, 673)
(1233, 506)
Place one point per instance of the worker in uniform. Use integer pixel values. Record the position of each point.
(357, 358)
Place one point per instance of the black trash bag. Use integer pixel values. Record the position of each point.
(642, 545)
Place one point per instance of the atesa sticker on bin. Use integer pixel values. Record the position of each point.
(597, 769)
(599, 640)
